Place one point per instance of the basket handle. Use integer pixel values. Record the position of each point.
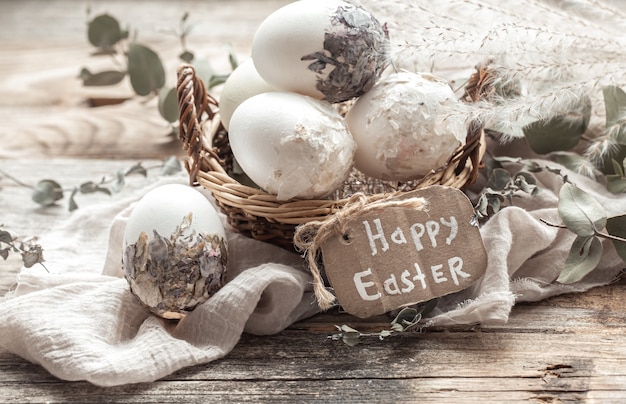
(195, 105)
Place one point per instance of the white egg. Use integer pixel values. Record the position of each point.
(291, 145)
(406, 126)
(326, 49)
(175, 250)
(242, 83)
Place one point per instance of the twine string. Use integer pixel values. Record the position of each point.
(310, 237)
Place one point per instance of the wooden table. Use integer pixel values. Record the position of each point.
(567, 348)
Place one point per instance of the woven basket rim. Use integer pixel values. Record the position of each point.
(200, 125)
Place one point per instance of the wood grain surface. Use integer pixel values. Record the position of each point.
(570, 348)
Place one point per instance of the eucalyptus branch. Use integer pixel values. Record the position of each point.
(596, 232)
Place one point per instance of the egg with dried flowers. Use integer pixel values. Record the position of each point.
(408, 125)
(326, 49)
(175, 250)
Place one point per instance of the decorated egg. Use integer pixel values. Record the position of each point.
(327, 49)
(291, 145)
(408, 125)
(242, 83)
(175, 250)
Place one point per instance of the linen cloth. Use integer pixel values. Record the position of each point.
(81, 322)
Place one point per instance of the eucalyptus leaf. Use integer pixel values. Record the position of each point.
(168, 104)
(216, 80)
(104, 31)
(499, 179)
(186, 56)
(203, 68)
(561, 132)
(616, 226)
(171, 165)
(137, 168)
(145, 69)
(617, 168)
(120, 181)
(91, 187)
(72, 203)
(34, 255)
(614, 103)
(5, 237)
(104, 78)
(616, 184)
(47, 192)
(570, 160)
(580, 211)
(584, 256)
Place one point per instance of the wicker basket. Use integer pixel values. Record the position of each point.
(259, 214)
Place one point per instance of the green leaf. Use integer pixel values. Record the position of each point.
(216, 80)
(72, 204)
(145, 69)
(120, 180)
(104, 31)
(34, 255)
(617, 168)
(584, 256)
(580, 211)
(4, 253)
(168, 104)
(171, 165)
(137, 169)
(616, 184)
(561, 132)
(616, 226)
(5, 237)
(105, 78)
(349, 335)
(204, 70)
(499, 179)
(614, 103)
(47, 192)
(186, 56)
(91, 187)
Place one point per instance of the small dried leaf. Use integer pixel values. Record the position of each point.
(561, 132)
(120, 181)
(584, 256)
(104, 78)
(5, 237)
(104, 31)
(171, 166)
(186, 56)
(4, 253)
(614, 102)
(146, 71)
(499, 179)
(168, 104)
(616, 184)
(72, 203)
(47, 192)
(616, 226)
(580, 211)
(137, 169)
(351, 338)
(34, 255)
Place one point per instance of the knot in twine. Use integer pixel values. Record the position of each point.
(309, 237)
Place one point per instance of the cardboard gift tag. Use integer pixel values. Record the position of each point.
(388, 255)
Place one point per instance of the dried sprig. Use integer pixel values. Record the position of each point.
(30, 251)
(406, 319)
(49, 192)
